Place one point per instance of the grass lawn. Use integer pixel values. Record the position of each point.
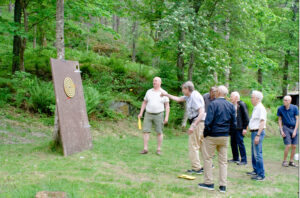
(113, 168)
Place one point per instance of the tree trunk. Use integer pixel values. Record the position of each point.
(60, 29)
(34, 37)
(196, 7)
(10, 6)
(60, 55)
(180, 57)
(260, 76)
(285, 74)
(227, 69)
(117, 24)
(134, 37)
(23, 40)
(215, 72)
(17, 38)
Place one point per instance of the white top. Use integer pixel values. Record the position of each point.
(259, 113)
(193, 103)
(155, 103)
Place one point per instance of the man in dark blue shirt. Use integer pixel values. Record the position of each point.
(288, 124)
(220, 120)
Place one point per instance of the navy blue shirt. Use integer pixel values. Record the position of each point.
(288, 116)
(220, 118)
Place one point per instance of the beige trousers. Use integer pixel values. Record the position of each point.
(211, 144)
(196, 145)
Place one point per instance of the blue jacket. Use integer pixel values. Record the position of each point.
(220, 118)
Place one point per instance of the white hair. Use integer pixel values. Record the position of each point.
(222, 90)
(257, 94)
(288, 98)
(235, 93)
(189, 85)
(158, 78)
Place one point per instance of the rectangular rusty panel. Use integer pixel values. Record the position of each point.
(72, 115)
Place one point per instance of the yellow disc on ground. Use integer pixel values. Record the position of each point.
(69, 87)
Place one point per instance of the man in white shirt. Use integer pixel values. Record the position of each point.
(195, 108)
(257, 127)
(155, 106)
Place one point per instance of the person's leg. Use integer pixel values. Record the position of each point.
(160, 137)
(210, 148)
(222, 155)
(146, 140)
(259, 156)
(253, 154)
(286, 152)
(147, 126)
(194, 147)
(201, 142)
(234, 148)
(241, 146)
(159, 125)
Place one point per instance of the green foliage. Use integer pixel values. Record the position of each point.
(92, 99)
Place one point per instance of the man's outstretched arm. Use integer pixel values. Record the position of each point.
(175, 98)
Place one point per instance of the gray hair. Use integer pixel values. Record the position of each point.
(257, 94)
(222, 90)
(189, 85)
(288, 97)
(235, 93)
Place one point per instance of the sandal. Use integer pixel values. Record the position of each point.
(144, 152)
(158, 152)
(285, 164)
(292, 164)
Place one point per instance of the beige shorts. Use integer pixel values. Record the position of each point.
(153, 118)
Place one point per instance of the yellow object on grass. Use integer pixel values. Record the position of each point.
(188, 177)
(140, 124)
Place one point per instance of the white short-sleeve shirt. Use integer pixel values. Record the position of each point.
(155, 103)
(259, 113)
(193, 103)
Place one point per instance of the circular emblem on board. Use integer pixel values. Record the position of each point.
(69, 87)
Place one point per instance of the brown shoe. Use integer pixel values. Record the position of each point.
(158, 152)
(144, 152)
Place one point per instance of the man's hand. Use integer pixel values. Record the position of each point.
(140, 115)
(294, 134)
(256, 140)
(283, 134)
(191, 129)
(166, 121)
(244, 132)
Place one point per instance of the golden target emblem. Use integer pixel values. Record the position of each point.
(69, 87)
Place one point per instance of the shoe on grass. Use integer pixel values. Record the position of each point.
(241, 163)
(285, 164)
(158, 152)
(292, 164)
(210, 187)
(257, 178)
(222, 189)
(233, 161)
(198, 172)
(251, 173)
(144, 152)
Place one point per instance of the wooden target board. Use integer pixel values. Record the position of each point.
(71, 109)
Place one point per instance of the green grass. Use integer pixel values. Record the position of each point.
(113, 168)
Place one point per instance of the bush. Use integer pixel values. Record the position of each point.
(92, 99)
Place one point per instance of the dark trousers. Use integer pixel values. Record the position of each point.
(237, 144)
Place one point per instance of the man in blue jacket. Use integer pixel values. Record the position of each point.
(220, 120)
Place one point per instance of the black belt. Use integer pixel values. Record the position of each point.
(192, 119)
(290, 127)
(155, 113)
(254, 130)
